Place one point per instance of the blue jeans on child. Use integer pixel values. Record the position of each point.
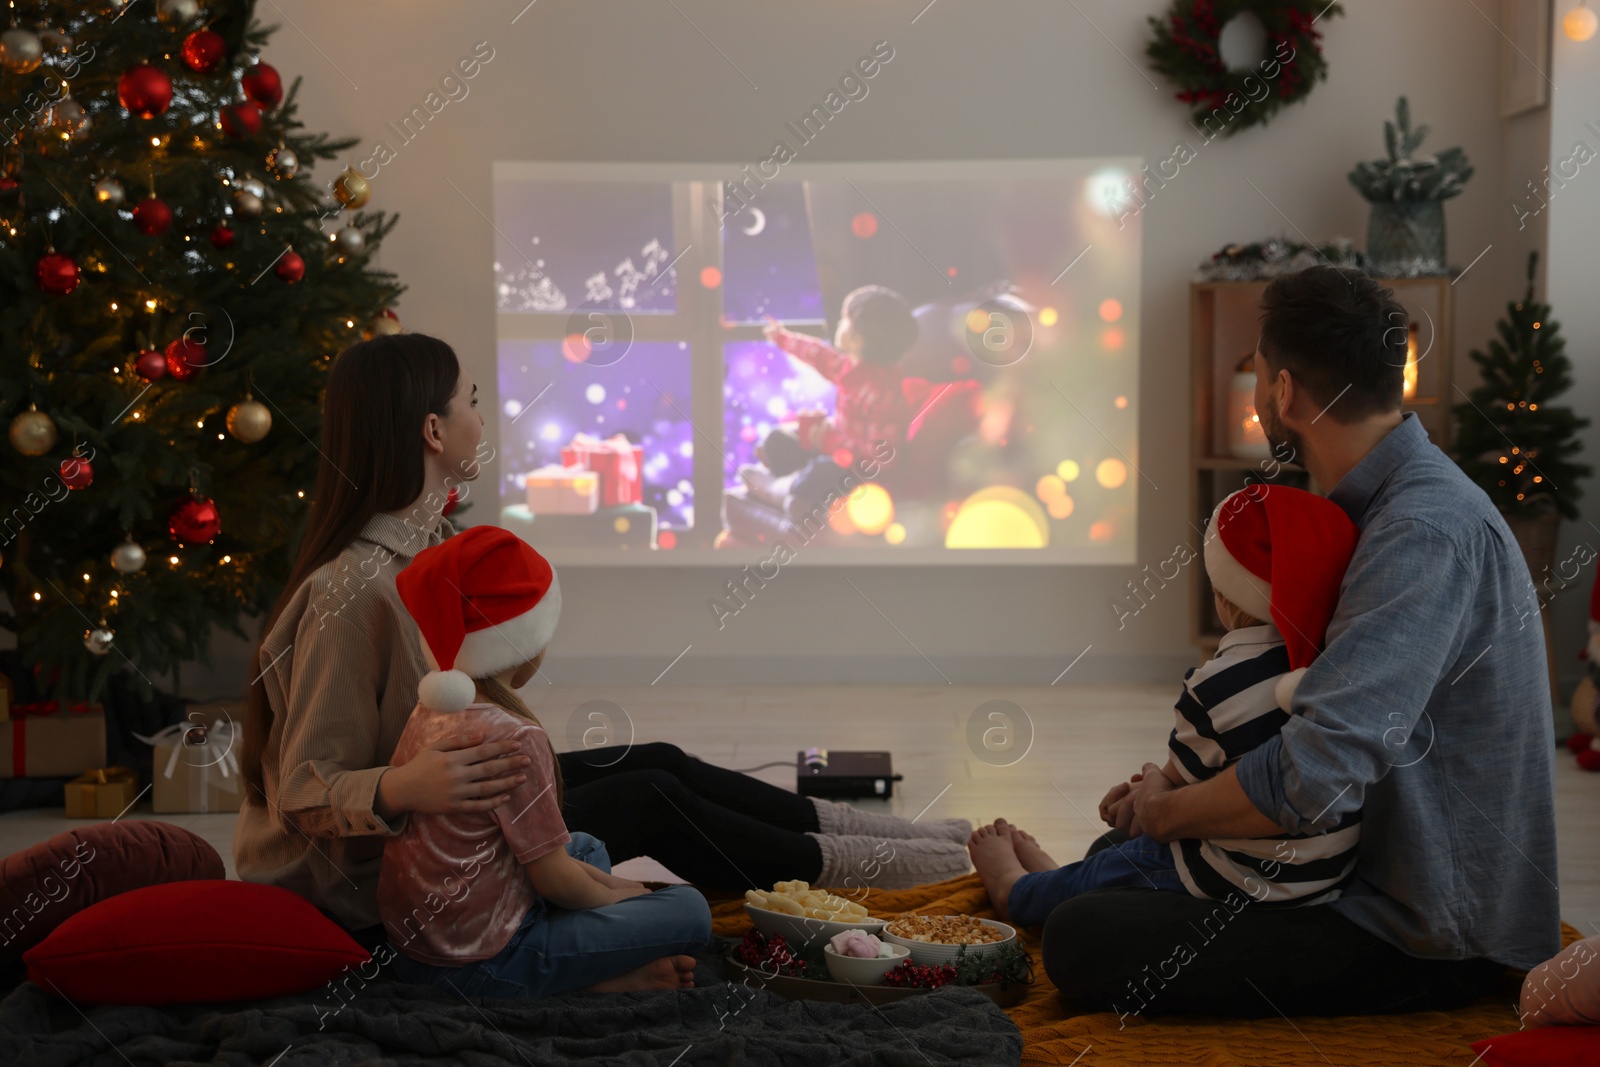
(1141, 862)
(558, 951)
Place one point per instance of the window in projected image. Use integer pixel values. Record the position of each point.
(870, 363)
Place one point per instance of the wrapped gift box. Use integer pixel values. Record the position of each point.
(42, 741)
(619, 462)
(557, 490)
(103, 793)
(196, 764)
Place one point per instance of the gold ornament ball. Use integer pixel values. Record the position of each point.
(33, 433)
(249, 420)
(1580, 24)
(20, 51)
(351, 189)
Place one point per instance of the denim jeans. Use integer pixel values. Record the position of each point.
(1140, 862)
(558, 951)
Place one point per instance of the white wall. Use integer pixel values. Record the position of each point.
(626, 81)
(1571, 274)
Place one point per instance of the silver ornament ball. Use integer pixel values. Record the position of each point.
(350, 240)
(127, 558)
(247, 204)
(254, 187)
(177, 12)
(71, 116)
(109, 191)
(20, 51)
(98, 640)
(285, 162)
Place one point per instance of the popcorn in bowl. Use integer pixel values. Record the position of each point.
(945, 930)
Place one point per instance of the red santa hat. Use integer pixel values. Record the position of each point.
(1280, 554)
(485, 601)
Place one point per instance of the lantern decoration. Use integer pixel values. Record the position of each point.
(1246, 437)
(1410, 387)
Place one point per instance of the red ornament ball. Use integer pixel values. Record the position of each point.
(185, 358)
(58, 274)
(195, 520)
(242, 120)
(262, 84)
(152, 216)
(150, 365)
(291, 268)
(222, 238)
(145, 91)
(204, 51)
(450, 503)
(76, 472)
(7, 184)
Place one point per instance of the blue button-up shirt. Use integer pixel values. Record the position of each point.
(1430, 709)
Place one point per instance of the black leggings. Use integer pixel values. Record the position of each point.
(1147, 952)
(717, 828)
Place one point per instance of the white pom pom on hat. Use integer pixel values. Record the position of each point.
(446, 690)
(485, 601)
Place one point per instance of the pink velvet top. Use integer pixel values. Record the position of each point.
(452, 888)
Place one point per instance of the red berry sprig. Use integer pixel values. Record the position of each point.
(920, 976)
(771, 955)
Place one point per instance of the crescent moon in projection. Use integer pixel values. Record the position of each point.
(758, 222)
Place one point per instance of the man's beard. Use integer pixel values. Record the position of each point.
(1287, 446)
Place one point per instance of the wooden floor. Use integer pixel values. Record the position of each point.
(1083, 739)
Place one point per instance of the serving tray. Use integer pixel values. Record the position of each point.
(825, 989)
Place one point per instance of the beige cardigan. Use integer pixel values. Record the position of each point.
(341, 667)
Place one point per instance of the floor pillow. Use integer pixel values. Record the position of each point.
(193, 942)
(1543, 1046)
(42, 886)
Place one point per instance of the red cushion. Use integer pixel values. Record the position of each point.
(43, 886)
(192, 942)
(1544, 1046)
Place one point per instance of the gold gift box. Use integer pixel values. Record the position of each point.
(103, 793)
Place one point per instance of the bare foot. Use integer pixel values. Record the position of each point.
(1033, 858)
(996, 862)
(669, 972)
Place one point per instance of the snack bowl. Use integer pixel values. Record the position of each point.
(936, 953)
(856, 970)
(800, 930)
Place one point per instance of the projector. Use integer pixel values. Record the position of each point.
(820, 772)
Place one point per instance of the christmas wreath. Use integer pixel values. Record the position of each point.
(1227, 100)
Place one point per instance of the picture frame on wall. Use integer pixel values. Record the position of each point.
(1524, 56)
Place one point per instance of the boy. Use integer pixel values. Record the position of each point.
(1272, 553)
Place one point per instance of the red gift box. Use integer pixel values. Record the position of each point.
(619, 462)
(43, 742)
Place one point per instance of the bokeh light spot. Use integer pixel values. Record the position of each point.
(1111, 473)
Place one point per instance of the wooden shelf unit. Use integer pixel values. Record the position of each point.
(1224, 322)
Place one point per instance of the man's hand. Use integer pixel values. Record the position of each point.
(1147, 801)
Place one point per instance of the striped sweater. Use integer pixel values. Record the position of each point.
(1228, 707)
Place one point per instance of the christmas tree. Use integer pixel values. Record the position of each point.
(1510, 439)
(173, 286)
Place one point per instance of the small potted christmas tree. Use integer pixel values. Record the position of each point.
(1405, 232)
(1512, 441)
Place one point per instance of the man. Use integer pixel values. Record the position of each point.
(1429, 710)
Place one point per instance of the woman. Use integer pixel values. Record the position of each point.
(334, 680)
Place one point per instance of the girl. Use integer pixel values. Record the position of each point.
(527, 909)
(334, 680)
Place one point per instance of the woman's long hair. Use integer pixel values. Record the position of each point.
(503, 695)
(379, 392)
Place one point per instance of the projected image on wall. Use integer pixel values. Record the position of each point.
(879, 363)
